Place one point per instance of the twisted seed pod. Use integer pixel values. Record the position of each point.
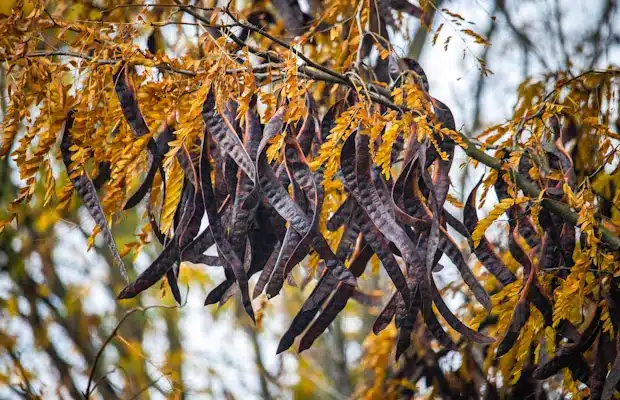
(87, 192)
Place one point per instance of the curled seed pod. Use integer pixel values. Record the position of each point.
(484, 251)
(263, 279)
(289, 210)
(225, 249)
(103, 176)
(434, 326)
(329, 120)
(340, 216)
(309, 185)
(612, 379)
(224, 132)
(153, 273)
(387, 314)
(568, 355)
(171, 277)
(366, 299)
(449, 248)
(350, 236)
(308, 311)
(310, 128)
(336, 302)
(206, 260)
(380, 246)
(454, 322)
(292, 239)
(126, 94)
(519, 317)
(358, 182)
(433, 236)
(195, 249)
(87, 192)
(602, 358)
(406, 328)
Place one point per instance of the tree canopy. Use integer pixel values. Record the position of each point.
(295, 147)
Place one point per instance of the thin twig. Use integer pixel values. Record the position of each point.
(89, 391)
(15, 357)
(144, 389)
(231, 35)
(109, 10)
(569, 269)
(600, 168)
(282, 43)
(261, 68)
(103, 377)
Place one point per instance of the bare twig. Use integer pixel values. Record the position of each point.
(600, 168)
(67, 53)
(15, 357)
(595, 271)
(260, 365)
(109, 10)
(231, 35)
(90, 390)
(104, 376)
(282, 43)
(144, 389)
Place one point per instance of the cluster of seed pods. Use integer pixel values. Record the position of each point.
(264, 219)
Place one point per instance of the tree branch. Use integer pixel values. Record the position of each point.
(89, 391)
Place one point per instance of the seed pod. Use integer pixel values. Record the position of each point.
(153, 273)
(225, 249)
(484, 251)
(87, 192)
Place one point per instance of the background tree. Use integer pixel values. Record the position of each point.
(358, 164)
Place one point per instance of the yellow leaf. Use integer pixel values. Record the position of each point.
(454, 201)
(7, 5)
(495, 213)
(11, 306)
(174, 187)
(46, 219)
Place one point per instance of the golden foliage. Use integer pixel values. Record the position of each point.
(494, 214)
(170, 89)
(174, 187)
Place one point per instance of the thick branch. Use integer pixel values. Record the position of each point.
(556, 207)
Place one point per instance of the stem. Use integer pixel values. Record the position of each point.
(89, 391)
(556, 207)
